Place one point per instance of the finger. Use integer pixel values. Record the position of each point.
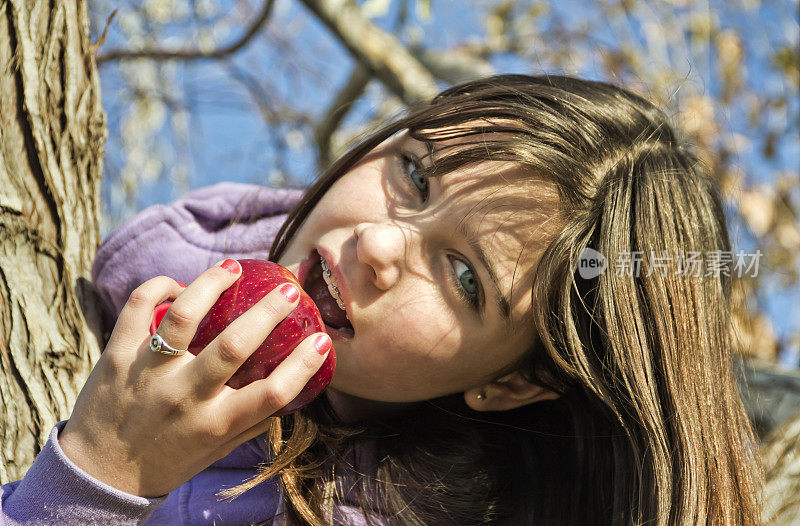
(256, 401)
(133, 323)
(228, 351)
(184, 315)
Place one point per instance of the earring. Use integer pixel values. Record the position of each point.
(481, 395)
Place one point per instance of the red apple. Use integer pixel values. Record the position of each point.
(158, 315)
(257, 279)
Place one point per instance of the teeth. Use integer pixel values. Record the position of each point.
(331, 281)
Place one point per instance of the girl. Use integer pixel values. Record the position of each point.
(487, 372)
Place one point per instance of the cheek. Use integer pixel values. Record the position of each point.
(419, 330)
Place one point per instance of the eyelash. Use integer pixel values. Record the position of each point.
(403, 160)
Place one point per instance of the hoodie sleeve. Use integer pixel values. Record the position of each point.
(179, 240)
(186, 237)
(56, 491)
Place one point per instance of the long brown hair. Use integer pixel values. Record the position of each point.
(649, 428)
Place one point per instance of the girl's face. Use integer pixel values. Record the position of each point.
(435, 273)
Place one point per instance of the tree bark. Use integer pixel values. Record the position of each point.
(52, 133)
(772, 397)
(381, 53)
(781, 456)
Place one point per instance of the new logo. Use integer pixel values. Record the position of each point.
(591, 263)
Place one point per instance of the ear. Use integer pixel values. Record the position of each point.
(509, 392)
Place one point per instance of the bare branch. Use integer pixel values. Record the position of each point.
(273, 112)
(102, 38)
(380, 52)
(192, 54)
(347, 96)
(454, 66)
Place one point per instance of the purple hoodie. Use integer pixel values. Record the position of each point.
(181, 241)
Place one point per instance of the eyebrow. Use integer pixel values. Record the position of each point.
(503, 305)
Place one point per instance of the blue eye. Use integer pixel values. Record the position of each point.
(465, 281)
(418, 182)
(462, 276)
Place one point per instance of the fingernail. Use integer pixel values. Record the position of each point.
(182, 284)
(231, 265)
(323, 343)
(290, 292)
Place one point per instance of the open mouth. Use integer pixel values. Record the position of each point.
(321, 287)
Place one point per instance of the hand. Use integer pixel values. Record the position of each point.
(146, 422)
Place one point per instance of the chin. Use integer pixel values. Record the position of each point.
(362, 392)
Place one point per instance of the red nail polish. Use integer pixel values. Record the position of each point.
(290, 292)
(323, 343)
(231, 265)
(182, 284)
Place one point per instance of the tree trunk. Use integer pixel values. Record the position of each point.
(52, 132)
(772, 398)
(781, 456)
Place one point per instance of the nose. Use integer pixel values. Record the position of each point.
(381, 247)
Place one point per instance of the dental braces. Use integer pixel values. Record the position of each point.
(332, 288)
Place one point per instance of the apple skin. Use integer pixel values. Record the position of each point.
(259, 277)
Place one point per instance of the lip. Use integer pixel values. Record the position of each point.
(302, 273)
(336, 334)
(305, 266)
(341, 284)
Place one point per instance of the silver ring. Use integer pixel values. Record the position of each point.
(157, 344)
